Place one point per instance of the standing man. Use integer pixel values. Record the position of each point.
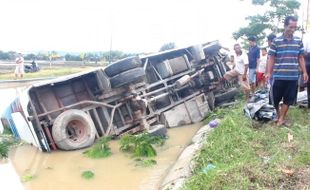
(286, 54)
(19, 70)
(240, 70)
(270, 38)
(254, 55)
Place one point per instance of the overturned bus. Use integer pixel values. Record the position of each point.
(168, 89)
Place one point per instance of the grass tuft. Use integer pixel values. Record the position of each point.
(28, 177)
(303, 158)
(6, 141)
(140, 145)
(100, 149)
(88, 174)
(4, 149)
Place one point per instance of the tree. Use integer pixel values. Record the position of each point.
(70, 57)
(42, 56)
(167, 46)
(12, 55)
(4, 55)
(271, 21)
(82, 56)
(29, 56)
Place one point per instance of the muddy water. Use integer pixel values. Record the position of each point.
(62, 170)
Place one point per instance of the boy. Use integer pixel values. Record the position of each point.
(261, 70)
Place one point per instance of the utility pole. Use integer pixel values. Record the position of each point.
(110, 54)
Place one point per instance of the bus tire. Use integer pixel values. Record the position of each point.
(73, 129)
(122, 66)
(127, 77)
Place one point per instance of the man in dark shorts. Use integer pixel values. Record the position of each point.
(308, 72)
(254, 55)
(270, 38)
(285, 55)
(307, 59)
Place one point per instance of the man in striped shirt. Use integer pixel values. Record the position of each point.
(286, 56)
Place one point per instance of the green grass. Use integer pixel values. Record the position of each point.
(100, 149)
(6, 141)
(88, 174)
(251, 155)
(47, 72)
(7, 131)
(140, 145)
(28, 177)
(4, 149)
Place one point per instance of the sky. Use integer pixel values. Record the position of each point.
(125, 25)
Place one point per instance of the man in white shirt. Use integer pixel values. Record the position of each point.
(240, 70)
(19, 70)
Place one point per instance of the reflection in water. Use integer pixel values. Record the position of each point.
(62, 170)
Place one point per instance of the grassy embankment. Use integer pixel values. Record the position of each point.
(47, 72)
(250, 155)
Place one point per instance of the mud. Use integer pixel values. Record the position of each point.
(62, 170)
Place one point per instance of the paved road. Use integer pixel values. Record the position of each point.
(9, 66)
(20, 83)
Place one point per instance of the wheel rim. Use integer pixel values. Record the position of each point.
(76, 131)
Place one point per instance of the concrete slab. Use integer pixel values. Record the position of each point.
(191, 111)
(177, 116)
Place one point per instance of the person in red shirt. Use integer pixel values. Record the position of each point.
(261, 68)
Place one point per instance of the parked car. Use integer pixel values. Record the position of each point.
(169, 89)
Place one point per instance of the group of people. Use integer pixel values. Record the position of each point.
(249, 68)
(280, 67)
